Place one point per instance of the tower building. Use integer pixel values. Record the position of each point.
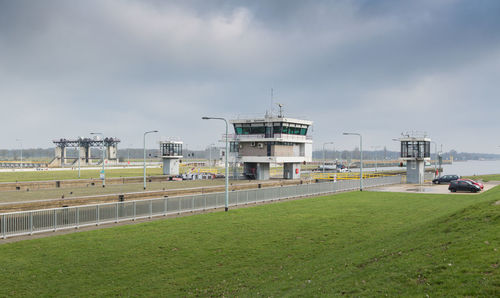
(272, 139)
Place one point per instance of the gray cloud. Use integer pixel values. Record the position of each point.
(378, 67)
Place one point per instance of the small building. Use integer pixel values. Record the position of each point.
(272, 139)
(171, 154)
(415, 150)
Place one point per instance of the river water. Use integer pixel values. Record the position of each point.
(462, 168)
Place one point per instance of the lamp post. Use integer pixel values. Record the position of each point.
(324, 158)
(376, 161)
(21, 141)
(361, 157)
(210, 147)
(436, 158)
(227, 151)
(144, 139)
(102, 147)
(79, 149)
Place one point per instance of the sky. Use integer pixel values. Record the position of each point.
(379, 68)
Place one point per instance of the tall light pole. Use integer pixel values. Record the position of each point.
(102, 147)
(227, 151)
(436, 158)
(324, 158)
(21, 141)
(210, 154)
(79, 149)
(144, 139)
(376, 161)
(361, 157)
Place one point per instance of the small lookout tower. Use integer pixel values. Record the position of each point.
(171, 153)
(415, 150)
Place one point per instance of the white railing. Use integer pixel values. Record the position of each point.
(37, 221)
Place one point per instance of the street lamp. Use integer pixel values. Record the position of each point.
(436, 158)
(361, 157)
(227, 151)
(210, 147)
(102, 147)
(144, 139)
(376, 161)
(324, 159)
(21, 141)
(79, 150)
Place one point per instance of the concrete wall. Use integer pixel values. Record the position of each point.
(290, 170)
(281, 150)
(248, 150)
(171, 166)
(415, 171)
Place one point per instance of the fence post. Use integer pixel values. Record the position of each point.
(55, 220)
(165, 206)
(134, 207)
(192, 203)
(77, 211)
(97, 214)
(4, 228)
(205, 205)
(150, 209)
(116, 212)
(31, 222)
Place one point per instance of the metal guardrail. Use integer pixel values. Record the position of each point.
(37, 221)
(346, 176)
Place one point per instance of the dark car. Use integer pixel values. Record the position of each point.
(463, 185)
(445, 179)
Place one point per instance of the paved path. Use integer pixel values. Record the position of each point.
(428, 188)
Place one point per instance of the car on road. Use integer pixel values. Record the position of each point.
(462, 185)
(445, 179)
(473, 182)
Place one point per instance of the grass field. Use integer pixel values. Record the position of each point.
(73, 174)
(356, 244)
(72, 192)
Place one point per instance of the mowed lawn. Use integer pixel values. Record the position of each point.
(355, 244)
(73, 174)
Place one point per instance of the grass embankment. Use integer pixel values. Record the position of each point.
(485, 178)
(354, 243)
(73, 174)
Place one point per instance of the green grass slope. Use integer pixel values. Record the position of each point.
(356, 244)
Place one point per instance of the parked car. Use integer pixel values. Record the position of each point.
(473, 182)
(445, 179)
(462, 185)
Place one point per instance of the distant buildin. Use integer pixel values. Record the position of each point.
(272, 139)
(415, 150)
(84, 146)
(171, 154)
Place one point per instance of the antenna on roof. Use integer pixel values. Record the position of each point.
(272, 101)
(280, 115)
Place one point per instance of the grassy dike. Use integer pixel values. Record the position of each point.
(356, 244)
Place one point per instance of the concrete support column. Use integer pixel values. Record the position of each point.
(112, 152)
(171, 166)
(83, 157)
(415, 170)
(291, 170)
(262, 172)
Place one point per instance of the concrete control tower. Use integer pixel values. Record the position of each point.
(415, 150)
(272, 139)
(171, 154)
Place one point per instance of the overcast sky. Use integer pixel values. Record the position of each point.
(380, 68)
